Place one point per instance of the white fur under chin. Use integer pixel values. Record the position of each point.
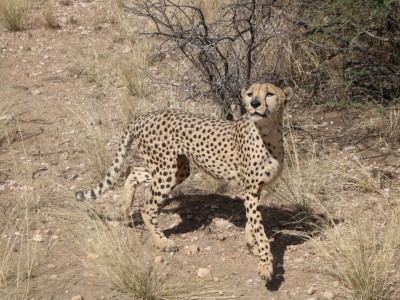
(256, 118)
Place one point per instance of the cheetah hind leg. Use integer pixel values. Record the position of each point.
(137, 176)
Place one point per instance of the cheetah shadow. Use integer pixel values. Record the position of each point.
(197, 212)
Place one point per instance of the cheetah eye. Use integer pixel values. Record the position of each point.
(270, 94)
(249, 94)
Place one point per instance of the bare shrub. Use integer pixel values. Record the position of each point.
(225, 49)
(354, 49)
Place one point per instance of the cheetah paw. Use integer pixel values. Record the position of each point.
(167, 245)
(266, 270)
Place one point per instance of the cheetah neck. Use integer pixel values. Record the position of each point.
(270, 131)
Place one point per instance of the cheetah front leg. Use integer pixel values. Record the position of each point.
(255, 235)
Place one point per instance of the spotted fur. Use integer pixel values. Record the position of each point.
(249, 149)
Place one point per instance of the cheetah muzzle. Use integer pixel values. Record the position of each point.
(249, 149)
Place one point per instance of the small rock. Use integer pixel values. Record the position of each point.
(203, 272)
(48, 232)
(92, 256)
(114, 224)
(336, 284)
(221, 237)
(328, 295)
(222, 224)
(77, 297)
(192, 249)
(37, 238)
(158, 259)
(349, 148)
(311, 290)
(2, 187)
(36, 92)
(216, 279)
(51, 266)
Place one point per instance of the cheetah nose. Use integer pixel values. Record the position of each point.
(255, 103)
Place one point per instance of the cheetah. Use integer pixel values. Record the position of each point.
(249, 149)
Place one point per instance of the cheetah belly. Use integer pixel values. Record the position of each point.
(213, 161)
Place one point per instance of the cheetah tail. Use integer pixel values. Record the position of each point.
(113, 172)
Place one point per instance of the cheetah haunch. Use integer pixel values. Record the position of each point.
(249, 149)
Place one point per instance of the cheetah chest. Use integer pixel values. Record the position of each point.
(260, 151)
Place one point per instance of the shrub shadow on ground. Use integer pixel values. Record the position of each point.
(198, 211)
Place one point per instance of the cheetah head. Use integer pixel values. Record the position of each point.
(265, 100)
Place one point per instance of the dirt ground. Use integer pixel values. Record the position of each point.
(49, 80)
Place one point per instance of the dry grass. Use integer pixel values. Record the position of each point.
(390, 126)
(8, 125)
(135, 79)
(363, 256)
(12, 14)
(314, 171)
(18, 252)
(116, 14)
(361, 252)
(89, 67)
(93, 69)
(115, 249)
(48, 15)
(94, 142)
(212, 184)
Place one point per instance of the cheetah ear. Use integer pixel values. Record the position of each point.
(288, 91)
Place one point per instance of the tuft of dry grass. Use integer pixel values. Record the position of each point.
(48, 15)
(12, 14)
(115, 249)
(91, 65)
(18, 254)
(116, 15)
(363, 256)
(390, 126)
(116, 259)
(314, 172)
(301, 185)
(135, 79)
(94, 142)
